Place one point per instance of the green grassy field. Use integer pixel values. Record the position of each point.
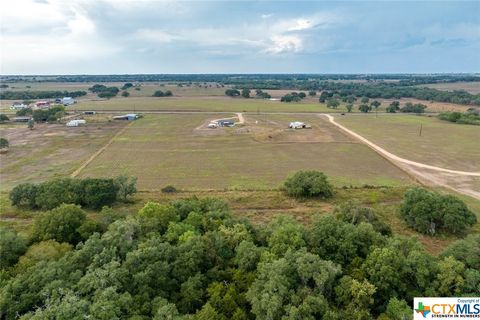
(167, 149)
(442, 143)
(201, 104)
(49, 150)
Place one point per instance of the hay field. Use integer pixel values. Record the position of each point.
(441, 144)
(179, 150)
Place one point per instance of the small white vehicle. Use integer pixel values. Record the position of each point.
(212, 125)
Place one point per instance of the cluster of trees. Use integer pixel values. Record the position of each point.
(469, 117)
(160, 93)
(89, 192)
(432, 213)
(413, 108)
(33, 95)
(127, 86)
(393, 107)
(192, 259)
(232, 92)
(293, 97)
(51, 114)
(390, 91)
(245, 93)
(262, 94)
(103, 91)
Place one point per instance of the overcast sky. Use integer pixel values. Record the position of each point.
(140, 36)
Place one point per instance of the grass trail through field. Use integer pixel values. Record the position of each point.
(396, 158)
(96, 154)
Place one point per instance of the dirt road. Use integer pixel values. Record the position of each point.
(435, 175)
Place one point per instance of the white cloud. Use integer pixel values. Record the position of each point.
(301, 24)
(266, 15)
(284, 44)
(156, 35)
(49, 36)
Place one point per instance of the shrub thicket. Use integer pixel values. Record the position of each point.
(309, 184)
(431, 212)
(89, 192)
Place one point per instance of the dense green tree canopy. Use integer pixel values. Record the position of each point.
(193, 259)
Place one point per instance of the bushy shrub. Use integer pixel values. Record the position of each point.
(430, 212)
(309, 184)
(169, 189)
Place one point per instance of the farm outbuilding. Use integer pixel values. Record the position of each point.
(66, 101)
(22, 119)
(42, 104)
(18, 106)
(128, 117)
(76, 123)
(225, 123)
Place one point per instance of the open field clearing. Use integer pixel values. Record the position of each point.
(441, 144)
(200, 104)
(49, 151)
(472, 87)
(423, 165)
(179, 150)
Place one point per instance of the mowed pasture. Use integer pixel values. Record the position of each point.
(50, 150)
(441, 143)
(178, 149)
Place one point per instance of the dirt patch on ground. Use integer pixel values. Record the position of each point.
(276, 130)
